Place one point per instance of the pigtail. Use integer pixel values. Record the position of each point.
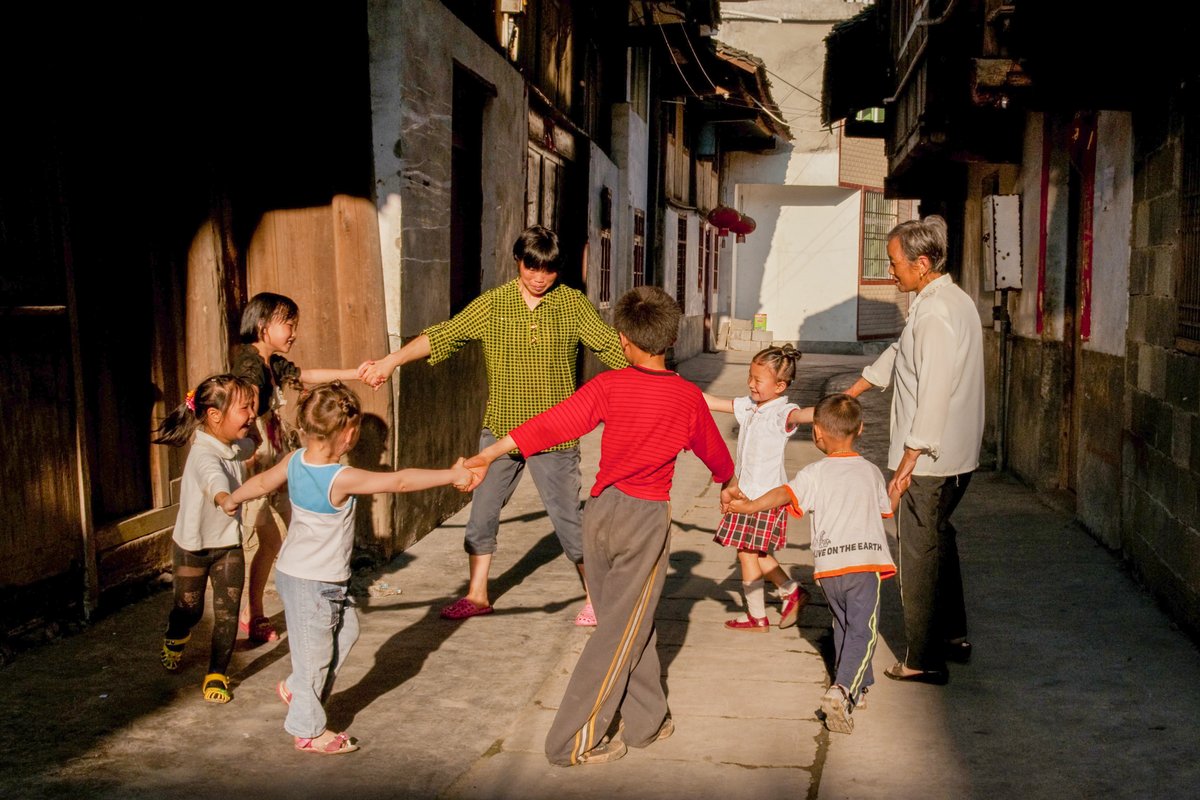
(217, 391)
(177, 429)
(327, 409)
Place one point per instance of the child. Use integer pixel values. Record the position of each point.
(649, 415)
(206, 544)
(766, 421)
(269, 323)
(848, 500)
(313, 573)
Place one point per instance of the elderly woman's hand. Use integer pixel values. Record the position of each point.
(902, 477)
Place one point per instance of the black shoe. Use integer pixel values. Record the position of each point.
(936, 677)
(958, 652)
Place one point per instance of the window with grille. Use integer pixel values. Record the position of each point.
(880, 215)
(639, 247)
(681, 263)
(1187, 287)
(702, 242)
(716, 261)
(605, 267)
(543, 189)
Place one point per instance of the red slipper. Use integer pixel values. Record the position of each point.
(463, 608)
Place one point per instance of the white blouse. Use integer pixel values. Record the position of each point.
(937, 369)
(763, 432)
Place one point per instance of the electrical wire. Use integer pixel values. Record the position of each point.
(794, 86)
(678, 68)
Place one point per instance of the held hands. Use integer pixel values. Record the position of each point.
(374, 373)
(902, 477)
(731, 495)
(898, 485)
(464, 479)
(740, 505)
(478, 466)
(225, 501)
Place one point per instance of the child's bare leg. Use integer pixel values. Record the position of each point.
(270, 539)
(755, 617)
(771, 570)
(750, 563)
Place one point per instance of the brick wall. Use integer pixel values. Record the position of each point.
(881, 310)
(863, 162)
(1161, 456)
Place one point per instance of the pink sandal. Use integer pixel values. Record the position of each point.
(338, 745)
(282, 690)
(587, 617)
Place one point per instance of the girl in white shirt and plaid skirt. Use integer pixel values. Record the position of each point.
(766, 421)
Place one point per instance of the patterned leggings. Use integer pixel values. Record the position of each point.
(226, 567)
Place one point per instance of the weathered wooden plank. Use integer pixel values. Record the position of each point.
(135, 527)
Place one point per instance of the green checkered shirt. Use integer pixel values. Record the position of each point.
(530, 354)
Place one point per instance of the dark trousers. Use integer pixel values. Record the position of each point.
(625, 546)
(930, 578)
(193, 569)
(854, 603)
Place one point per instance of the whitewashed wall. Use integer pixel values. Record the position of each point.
(800, 267)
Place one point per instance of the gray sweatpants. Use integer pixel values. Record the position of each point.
(626, 542)
(556, 475)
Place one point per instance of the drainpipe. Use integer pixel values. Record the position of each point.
(1000, 314)
(733, 275)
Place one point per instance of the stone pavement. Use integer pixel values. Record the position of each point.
(1080, 687)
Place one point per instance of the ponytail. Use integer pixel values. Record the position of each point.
(216, 391)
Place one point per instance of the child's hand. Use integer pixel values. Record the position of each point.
(728, 495)
(225, 501)
(738, 505)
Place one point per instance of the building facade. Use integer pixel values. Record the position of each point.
(1094, 362)
(374, 161)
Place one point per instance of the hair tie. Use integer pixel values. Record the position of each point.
(190, 400)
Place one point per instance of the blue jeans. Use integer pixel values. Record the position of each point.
(322, 626)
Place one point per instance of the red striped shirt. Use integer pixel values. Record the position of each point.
(649, 416)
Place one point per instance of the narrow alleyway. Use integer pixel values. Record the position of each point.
(1080, 687)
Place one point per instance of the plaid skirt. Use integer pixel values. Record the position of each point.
(764, 531)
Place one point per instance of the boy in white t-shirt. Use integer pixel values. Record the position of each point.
(848, 499)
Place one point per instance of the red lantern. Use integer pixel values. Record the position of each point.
(742, 226)
(723, 217)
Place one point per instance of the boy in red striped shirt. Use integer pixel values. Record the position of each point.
(649, 415)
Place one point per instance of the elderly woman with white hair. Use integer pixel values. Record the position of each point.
(936, 371)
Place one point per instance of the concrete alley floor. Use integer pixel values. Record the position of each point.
(1080, 686)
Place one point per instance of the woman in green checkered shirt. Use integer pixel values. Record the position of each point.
(531, 328)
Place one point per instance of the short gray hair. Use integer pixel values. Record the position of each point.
(923, 237)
